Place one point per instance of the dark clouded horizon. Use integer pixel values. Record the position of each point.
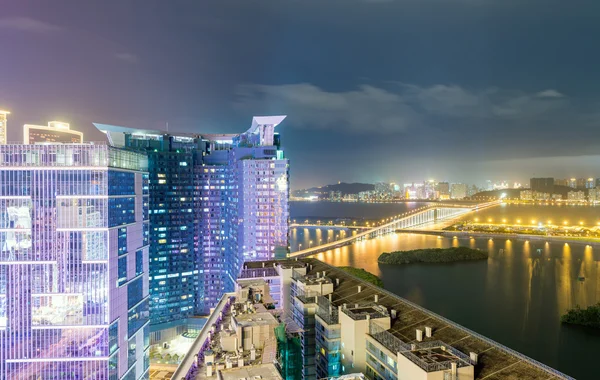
(396, 90)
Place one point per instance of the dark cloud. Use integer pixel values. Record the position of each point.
(374, 90)
(401, 108)
(26, 24)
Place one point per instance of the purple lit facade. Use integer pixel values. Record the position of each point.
(238, 198)
(73, 262)
(245, 204)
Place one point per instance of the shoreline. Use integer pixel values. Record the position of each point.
(584, 241)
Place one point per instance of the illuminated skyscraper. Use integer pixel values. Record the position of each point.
(216, 200)
(73, 262)
(174, 163)
(3, 127)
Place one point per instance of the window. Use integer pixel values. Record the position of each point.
(139, 262)
(122, 270)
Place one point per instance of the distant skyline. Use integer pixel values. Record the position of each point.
(374, 90)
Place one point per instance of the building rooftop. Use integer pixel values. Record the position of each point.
(494, 360)
(255, 319)
(263, 371)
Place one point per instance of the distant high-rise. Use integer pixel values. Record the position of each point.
(55, 132)
(216, 200)
(3, 127)
(458, 191)
(443, 188)
(545, 185)
(74, 255)
(590, 183)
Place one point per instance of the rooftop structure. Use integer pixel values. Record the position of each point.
(357, 327)
(238, 340)
(262, 371)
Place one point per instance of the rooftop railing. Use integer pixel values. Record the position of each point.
(258, 272)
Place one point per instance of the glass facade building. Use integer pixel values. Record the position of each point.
(74, 298)
(174, 165)
(216, 200)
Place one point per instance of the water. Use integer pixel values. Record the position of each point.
(516, 297)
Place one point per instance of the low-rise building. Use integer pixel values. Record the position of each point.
(576, 195)
(342, 328)
(526, 195)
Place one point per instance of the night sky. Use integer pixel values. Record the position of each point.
(404, 90)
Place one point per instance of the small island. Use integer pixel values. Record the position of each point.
(363, 275)
(589, 317)
(432, 255)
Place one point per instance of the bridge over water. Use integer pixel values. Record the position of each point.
(415, 218)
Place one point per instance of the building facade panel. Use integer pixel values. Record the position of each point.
(61, 306)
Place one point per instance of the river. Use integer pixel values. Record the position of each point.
(515, 297)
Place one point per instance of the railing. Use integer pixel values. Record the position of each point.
(258, 272)
(307, 296)
(492, 343)
(378, 313)
(387, 339)
(326, 311)
(438, 366)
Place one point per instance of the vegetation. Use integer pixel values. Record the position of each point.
(363, 275)
(589, 317)
(432, 255)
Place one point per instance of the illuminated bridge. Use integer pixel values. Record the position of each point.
(417, 217)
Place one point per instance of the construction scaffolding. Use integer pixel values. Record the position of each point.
(289, 354)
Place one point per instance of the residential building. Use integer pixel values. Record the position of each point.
(347, 326)
(590, 183)
(55, 132)
(174, 166)
(526, 195)
(218, 200)
(74, 249)
(4, 127)
(458, 191)
(444, 189)
(561, 182)
(576, 195)
(544, 185)
(594, 194)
